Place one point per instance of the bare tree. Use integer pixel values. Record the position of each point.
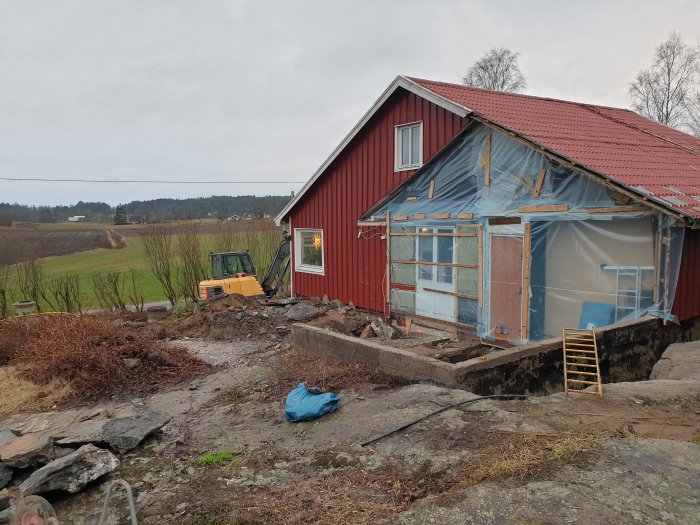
(135, 295)
(664, 91)
(497, 70)
(65, 289)
(693, 108)
(30, 281)
(192, 262)
(109, 290)
(4, 291)
(158, 252)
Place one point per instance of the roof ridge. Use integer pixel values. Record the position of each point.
(518, 95)
(684, 147)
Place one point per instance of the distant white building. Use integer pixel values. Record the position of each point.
(76, 218)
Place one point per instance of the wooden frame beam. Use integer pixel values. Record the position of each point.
(454, 294)
(429, 263)
(416, 234)
(544, 209)
(540, 181)
(487, 167)
(526, 282)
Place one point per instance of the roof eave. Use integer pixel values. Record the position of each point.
(399, 82)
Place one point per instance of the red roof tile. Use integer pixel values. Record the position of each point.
(645, 156)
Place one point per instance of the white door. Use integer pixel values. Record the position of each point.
(435, 284)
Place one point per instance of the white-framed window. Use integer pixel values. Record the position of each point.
(308, 250)
(408, 146)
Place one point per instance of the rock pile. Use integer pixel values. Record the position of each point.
(63, 468)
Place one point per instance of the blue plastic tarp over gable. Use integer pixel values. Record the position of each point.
(302, 405)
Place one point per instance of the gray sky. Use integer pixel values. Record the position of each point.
(262, 90)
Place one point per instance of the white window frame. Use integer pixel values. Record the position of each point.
(398, 145)
(299, 266)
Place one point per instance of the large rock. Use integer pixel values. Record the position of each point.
(126, 433)
(26, 451)
(84, 432)
(679, 361)
(72, 472)
(6, 436)
(5, 475)
(382, 329)
(303, 312)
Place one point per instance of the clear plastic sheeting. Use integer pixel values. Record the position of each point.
(495, 239)
(596, 273)
(456, 182)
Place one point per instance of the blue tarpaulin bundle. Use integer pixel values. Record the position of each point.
(302, 405)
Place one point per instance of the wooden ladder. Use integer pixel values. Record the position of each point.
(581, 367)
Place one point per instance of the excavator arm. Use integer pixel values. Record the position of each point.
(278, 269)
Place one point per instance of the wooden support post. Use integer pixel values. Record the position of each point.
(480, 245)
(431, 191)
(540, 182)
(657, 265)
(487, 167)
(526, 281)
(388, 268)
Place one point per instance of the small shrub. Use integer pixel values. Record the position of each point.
(215, 458)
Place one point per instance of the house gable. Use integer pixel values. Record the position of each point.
(359, 176)
(400, 83)
(487, 173)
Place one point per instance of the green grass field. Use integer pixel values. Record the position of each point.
(86, 264)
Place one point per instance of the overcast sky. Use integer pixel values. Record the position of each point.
(263, 91)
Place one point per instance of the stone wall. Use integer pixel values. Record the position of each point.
(628, 351)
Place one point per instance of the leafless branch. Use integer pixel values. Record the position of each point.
(497, 70)
(664, 91)
(158, 252)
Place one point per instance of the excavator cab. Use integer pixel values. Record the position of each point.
(234, 273)
(231, 264)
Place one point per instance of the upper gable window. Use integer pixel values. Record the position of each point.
(408, 154)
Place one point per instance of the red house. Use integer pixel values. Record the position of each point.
(438, 183)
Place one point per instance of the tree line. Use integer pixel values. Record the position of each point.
(156, 210)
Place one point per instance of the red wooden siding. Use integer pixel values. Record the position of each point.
(686, 304)
(361, 175)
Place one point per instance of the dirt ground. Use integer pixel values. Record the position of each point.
(17, 244)
(228, 455)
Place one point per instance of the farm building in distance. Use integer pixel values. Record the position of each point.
(507, 216)
(77, 218)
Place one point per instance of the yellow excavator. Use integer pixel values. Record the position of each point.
(234, 273)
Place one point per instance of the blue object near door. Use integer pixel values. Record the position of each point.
(304, 405)
(595, 315)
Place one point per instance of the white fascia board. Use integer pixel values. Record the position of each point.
(399, 82)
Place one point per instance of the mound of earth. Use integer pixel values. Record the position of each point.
(235, 316)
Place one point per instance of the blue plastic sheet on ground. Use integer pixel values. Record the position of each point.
(302, 405)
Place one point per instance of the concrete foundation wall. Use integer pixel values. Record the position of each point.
(628, 351)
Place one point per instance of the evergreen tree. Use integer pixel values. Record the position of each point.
(120, 215)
